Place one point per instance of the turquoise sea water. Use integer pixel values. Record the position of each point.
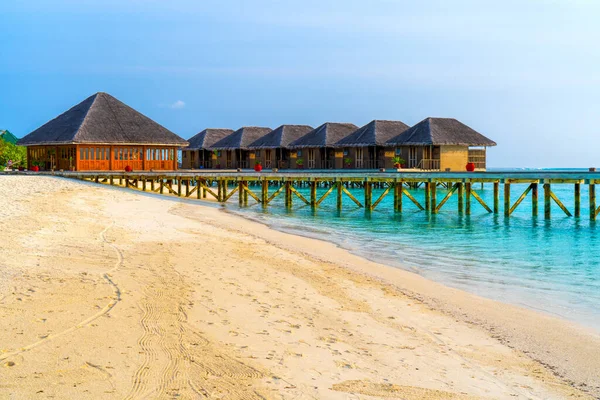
(550, 266)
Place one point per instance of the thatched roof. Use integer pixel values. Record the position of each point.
(241, 138)
(102, 119)
(441, 131)
(325, 135)
(281, 136)
(207, 138)
(375, 133)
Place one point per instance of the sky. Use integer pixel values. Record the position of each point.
(524, 73)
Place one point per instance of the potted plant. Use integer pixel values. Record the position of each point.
(347, 162)
(300, 163)
(35, 166)
(470, 167)
(398, 162)
(258, 166)
(128, 168)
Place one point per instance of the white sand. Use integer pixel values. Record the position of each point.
(107, 293)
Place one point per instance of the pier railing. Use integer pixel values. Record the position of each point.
(438, 188)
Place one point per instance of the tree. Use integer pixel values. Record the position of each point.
(14, 153)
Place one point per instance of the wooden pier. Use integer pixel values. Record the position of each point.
(438, 187)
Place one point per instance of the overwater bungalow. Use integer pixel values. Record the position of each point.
(315, 150)
(365, 147)
(102, 133)
(272, 150)
(232, 151)
(198, 154)
(439, 144)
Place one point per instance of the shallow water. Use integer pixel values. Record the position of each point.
(551, 266)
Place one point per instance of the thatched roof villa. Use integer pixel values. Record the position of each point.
(272, 150)
(315, 150)
(102, 133)
(198, 154)
(233, 150)
(440, 144)
(365, 147)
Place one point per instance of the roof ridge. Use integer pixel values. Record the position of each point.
(112, 112)
(87, 113)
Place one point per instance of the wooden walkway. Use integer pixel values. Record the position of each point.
(265, 186)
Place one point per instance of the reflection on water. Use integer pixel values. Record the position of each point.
(553, 266)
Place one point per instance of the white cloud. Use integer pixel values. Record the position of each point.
(177, 105)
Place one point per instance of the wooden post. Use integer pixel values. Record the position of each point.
(592, 201)
(468, 199)
(245, 183)
(144, 184)
(313, 194)
(433, 196)
(265, 192)
(547, 201)
(152, 184)
(340, 186)
(507, 199)
(427, 196)
(496, 197)
(198, 188)
(162, 185)
(288, 194)
(110, 179)
(241, 193)
(534, 199)
(187, 188)
(461, 198)
(368, 195)
(179, 186)
(398, 196)
(577, 200)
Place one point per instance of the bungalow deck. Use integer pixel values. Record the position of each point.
(223, 185)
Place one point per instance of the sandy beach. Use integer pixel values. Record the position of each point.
(106, 293)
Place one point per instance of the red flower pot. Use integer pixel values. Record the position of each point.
(470, 167)
(128, 168)
(35, 168)
(258, 167)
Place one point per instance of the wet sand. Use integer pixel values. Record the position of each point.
(109, 293)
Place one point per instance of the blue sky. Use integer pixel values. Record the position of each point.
(525, 73)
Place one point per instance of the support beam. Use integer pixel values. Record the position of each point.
(496, 197)
(534, 199)
(447, 197)
(468, 199)
(547, 201)
(520, 199)
(593, 212)
(398, 196)
(433, 186)
(340, 187)
(368, 195)
(577, 200)
(265, 192)
(560, 204)
(327, 193)
(385, 193)
(358, 203)
(240, 193)
(313, 194)
(507, 199)
(288, 194)
(427, 196)
(411, 198)
(461, 197)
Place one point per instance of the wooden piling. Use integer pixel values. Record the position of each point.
(468, 198)
(241, 193)
(507, 199)
(368, 195)
(461, 197)
(547, 201)
(288, 194)
(592, 187)
(313, 194)
(265, 192)
(340, 187)
(427, 197)
(577, 200)
(398, 196)
(433, 196)
(534, 199)
(496, 197)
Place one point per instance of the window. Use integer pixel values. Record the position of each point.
(346, 152)
(398, 151)
(257, 153)
(81, 157)
(107, 153)
(171, 154)
(299, 153)
(185, 155)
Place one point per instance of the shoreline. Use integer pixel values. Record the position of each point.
(505, 322)
(562, 348)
